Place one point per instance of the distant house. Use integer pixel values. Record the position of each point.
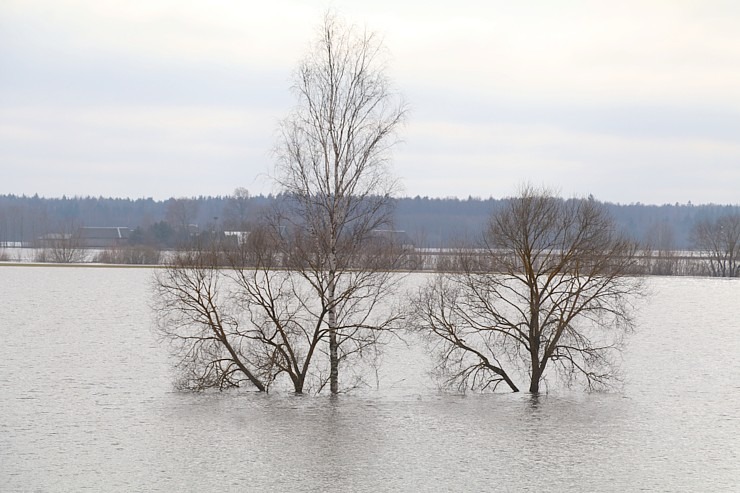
(90, 237)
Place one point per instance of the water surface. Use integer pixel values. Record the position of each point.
(87, 404)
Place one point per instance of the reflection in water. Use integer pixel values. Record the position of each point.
(534, 402)
(87, 403)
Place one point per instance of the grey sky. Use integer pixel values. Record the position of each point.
(630, 101)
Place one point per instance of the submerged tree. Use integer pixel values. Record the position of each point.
(65, 247)
(234, 316)
(309, 289)
(551, 287)
(333, 166)
(197, 314)
(661, 246)
(247, 312)
(720, 241)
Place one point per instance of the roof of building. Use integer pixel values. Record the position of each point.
(107, 233)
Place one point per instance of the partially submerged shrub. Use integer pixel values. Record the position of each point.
(136, 255)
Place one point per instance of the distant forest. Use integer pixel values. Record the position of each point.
(429, 222)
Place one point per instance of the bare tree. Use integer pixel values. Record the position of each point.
(333, 168)
(236, 210)
(181, 214)
(719, 240)
(264, 309)
(136, 254)
(551, 286)
(234, 315)
(196, 315)
(64, 247)
(663, 260)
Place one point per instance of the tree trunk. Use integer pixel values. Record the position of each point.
(534, 384)
(333, 342)
(534, 354)
(334, 361)
(298, 384)
(509, 382)
(236, 359)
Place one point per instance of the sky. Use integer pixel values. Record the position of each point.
(632, 101)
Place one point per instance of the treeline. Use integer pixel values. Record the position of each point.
(443, 222)
(429, 222)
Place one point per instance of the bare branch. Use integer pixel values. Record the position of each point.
(555, 285)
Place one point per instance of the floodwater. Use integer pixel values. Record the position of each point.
(87, 404)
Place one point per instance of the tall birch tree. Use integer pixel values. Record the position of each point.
(333, 154)
(309, 290)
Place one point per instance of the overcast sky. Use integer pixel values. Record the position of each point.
(631, 101)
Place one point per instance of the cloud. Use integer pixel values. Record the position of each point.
(492, 159)
(232, 32)
(658, 52)
(628, 100)
(157, 152)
